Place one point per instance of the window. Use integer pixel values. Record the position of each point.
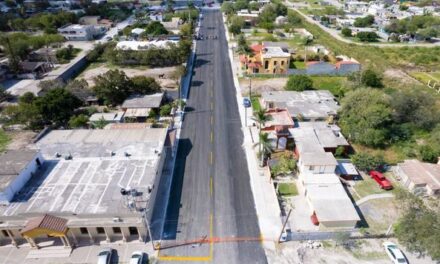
(275, 63)
(116, 230)
(312, 168)
(5, 233)
(133, 230)
(100, 230)
(266, 65)
(83, 230)
(282, 63)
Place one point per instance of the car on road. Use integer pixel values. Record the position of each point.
(105, 256)
(137, 257)
(246, 102)
(381, 180)
(394, 253)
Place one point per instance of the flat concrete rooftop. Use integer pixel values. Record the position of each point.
(101, 143)
(84, 186)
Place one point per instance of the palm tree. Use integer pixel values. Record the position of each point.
(265, 145)
(261, 117)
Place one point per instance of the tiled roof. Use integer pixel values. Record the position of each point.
(46, 221)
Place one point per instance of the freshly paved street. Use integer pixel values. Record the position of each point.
(211, 214)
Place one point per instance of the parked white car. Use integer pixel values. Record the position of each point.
(137, 257)
(395, 254)
(105, 256)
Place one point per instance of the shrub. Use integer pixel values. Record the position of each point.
(299, 83)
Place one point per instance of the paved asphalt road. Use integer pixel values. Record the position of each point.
(211, 197)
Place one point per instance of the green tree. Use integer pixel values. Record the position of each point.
(165, 110)
(293, 18)
(417, 225)
(155, 28)
(367, 36)
(227, 8)
(236, 23)
(299, 83)
(80, 88)
(428, 153)
(364, 21)
(100, 124)
(415, 107)
(370, 78)
(144, 85)
(365, 116)
(57, 106)
(366, 162)
(113, 87)
(261, 117)
(79, 121)
(346, 32)
(27, 98)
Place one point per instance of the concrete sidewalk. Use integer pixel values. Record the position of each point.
(265, 198)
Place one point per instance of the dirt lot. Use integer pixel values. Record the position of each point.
(260, 85)
(20, 139)
(364, 252)
(168, 81)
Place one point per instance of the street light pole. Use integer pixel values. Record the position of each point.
(284, 225)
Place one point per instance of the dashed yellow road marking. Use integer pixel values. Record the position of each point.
(211, 158)
(212, 137)
(212, 120)
(210, 186)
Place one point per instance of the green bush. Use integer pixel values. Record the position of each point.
(299, 83)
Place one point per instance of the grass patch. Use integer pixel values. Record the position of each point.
(287, 189)
(425, 77)
(4, 140)
(370, 255)
(330, 83)
(299, 64)
(367, 187)
(255, 100)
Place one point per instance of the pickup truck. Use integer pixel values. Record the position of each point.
(381, 180)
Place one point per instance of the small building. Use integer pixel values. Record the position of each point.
(319, 105)
(33, 70)
(328, 202)
(16, 168)
(137, 108)
(137, 31)
(113, 117)
(347, 170)
(250, 18)
(317, 162)
(280, 20)
(77, 32)
(44, 55)
(420, 176)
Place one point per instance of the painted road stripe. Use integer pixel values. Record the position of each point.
(210, 187)
(211, 158)
(212, 137)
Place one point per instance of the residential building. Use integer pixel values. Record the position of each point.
(330, 206)
(77, 32)
(328, 201)
(137, 108)
(44, 55)
(250, 18)
(420, 176)
(93, 186)
(16, 168)
(33, 70)
(319, 105)
(266, 60)
(95, 21)
(356, 7)
(278, 127)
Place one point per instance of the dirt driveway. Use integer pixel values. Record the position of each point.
(260, 85)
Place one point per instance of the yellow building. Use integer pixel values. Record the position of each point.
(266, 60)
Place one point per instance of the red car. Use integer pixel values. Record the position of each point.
(381, 180)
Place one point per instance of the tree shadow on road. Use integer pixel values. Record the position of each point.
(172, 215)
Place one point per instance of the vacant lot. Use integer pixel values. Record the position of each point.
(4, 140)
(168, 80)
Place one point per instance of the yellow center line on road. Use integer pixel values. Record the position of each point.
(211, 158)
(212, 120)
(212, 137)
(210, 186)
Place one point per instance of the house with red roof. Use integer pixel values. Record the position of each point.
(266, 59)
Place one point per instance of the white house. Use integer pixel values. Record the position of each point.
(16, 168)
(77, 32)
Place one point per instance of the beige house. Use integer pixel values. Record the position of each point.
(93, 186)
(419, 176)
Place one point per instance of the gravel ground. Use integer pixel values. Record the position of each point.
(367, 252)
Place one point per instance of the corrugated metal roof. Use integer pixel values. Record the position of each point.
(46, 221)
